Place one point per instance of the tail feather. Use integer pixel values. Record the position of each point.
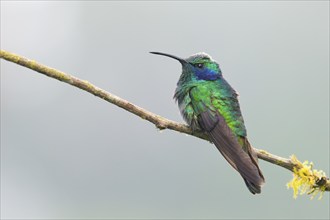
(253, 155)
(254, 189)
(241, 158)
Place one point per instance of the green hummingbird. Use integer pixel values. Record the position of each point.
(208, 103)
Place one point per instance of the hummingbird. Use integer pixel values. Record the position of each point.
(208, 103)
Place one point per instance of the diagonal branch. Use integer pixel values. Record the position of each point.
(159, 121)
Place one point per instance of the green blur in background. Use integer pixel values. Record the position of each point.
(68, 154)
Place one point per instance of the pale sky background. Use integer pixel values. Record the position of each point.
(67, 154)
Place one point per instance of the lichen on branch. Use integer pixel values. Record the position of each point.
(305, 180)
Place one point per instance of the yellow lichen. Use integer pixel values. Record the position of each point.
(305, 179)
(264, 152)
(88, 84)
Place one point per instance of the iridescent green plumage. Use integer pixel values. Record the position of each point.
(217, 96)
(208, 103)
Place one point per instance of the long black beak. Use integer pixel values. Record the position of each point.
(182, 61)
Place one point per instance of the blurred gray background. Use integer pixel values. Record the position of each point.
(68, 154)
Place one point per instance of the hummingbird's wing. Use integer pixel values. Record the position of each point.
(213, 122)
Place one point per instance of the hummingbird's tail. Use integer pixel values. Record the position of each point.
(254, 158)
(254, 189)
(239, 153)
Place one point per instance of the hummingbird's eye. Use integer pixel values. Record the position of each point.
(200, 65)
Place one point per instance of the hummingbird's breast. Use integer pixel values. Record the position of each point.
(217, 96)
(183, 99)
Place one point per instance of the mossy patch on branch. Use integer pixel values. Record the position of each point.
(305, 179)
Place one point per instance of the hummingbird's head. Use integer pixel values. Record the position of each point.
(200, 65)
(204, 66)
